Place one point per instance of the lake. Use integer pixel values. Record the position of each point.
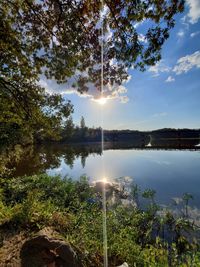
(170, 172)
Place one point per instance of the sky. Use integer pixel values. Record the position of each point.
(167, 95)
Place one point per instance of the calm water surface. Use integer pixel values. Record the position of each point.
(170, 172)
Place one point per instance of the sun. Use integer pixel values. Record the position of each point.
(102, 101)
(104, 180)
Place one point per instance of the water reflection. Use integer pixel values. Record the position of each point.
(171, 172)
(123, 191)
(39, 159)
(33, 160)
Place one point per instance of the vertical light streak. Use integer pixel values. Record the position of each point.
(105, 248)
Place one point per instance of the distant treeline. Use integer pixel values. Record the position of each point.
(68, 132)
(95, 135)
(161, 137)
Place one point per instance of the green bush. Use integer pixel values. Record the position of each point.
(74, 209)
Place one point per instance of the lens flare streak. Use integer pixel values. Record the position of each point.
(102, 101)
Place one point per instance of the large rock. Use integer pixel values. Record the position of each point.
(47, 251)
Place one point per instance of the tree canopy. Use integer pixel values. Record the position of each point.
(62, 39)
(27, 113)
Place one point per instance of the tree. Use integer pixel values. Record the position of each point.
(82, 123)
(83, 129)
(68, 129)
(28, 113)
(62, 37)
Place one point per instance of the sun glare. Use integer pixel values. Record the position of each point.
(104, 180)
(102, 101)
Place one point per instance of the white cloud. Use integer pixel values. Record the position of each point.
(114, 91)
(110, 92)
(142, 38)
(75, 92)
(124, 99)
(193, 34)
(158, 68)
(169, 79)
(181, 33)
(43, 83)
(122, 90)
(137, 24)
(183, 65)
(186, 63)
(194, 10)
(184, 21)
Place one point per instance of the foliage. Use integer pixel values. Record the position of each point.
(82, 123)
(68, 130)
(28, 113)
(39, 38)
(41, 157)
(61, 192)
(73, 207)
(40, 35)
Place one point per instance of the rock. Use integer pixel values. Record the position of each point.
(47, 251)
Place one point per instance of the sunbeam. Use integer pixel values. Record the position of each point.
(102, 101)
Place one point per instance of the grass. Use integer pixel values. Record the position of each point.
(73, 208)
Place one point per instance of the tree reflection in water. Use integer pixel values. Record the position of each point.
(38, 159)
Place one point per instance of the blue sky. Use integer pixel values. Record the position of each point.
(166, 95)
